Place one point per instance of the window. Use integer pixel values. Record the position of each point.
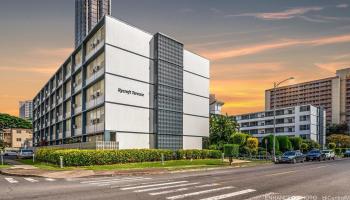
(95, 116)
(95, 91)
(18, 139)
(78, 58)
(279, 112)
(279, 130)
(95, 65)
(95, 40)
(280, 121)
(68, 125)
(78, 78)
(18, 131)
(304, 108)
(305, 127)
(77, 121)
(67, 105)
(78, 100)
(305, 118)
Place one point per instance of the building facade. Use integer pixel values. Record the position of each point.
(123, 84)
(26, 109)
(308, 122)
(18, 138)
(87, 15)
(215, 105)
(332, 93)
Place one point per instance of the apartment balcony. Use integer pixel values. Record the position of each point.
(60, 135)
(78, 109)
(59, 100)
(53, 121)
(67, 75)
(77, 66)
(78, 131)
(42, 126)
(67, 95)
(59, 118)
(95, 128)
(68, 133)
(77, 87)
(92, 52)
(95, 102)
(67, 115)
(53, 136)
(59, 82)
(95, 76)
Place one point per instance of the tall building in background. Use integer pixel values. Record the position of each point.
(26, 109)
(87, 14)
(215, 105)
(331, 93)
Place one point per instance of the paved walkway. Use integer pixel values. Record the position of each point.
(18, 165)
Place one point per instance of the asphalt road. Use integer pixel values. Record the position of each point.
(329, 180)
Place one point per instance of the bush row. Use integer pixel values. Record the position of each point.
(74, 157)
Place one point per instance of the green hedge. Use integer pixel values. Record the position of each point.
(73, 157)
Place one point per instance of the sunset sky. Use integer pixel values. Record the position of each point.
(251, 43)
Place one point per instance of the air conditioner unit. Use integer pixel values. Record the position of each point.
(74, 126)
(98, 67)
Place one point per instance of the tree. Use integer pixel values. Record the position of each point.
(304, 147)
(269, 140)
(252, 144)
(2, 144)
(239, 138)
(231, 150)
(284, 143)
(311, 144)
(331, 145)
(221, 129)
(340, 140)
(342, 128)
(296, 142)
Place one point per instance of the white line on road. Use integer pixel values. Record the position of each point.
(31, 180)
(224, 196)
(295, 198)
(50, 179)
(165, 187)
(199, 192)
(113, 180)
(11, 180)
(282, 173)
(263, 196)
(181, 189)
(104, 183)
(146, 186)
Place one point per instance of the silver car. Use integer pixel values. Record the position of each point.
(25, 153)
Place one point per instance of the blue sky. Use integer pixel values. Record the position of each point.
(250, 43)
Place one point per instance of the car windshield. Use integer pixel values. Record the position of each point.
(315, 151)
(289, 153)
(326, 151)
(27, 151)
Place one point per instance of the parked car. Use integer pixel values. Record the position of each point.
(330, 155)
(291, 157)
(315, 155)
(25, 153)
(10, 153)
(347, 153)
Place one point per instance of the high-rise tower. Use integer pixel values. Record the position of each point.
(87, 14)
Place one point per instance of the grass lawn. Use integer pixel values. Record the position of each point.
(4, 166)
(168, 165)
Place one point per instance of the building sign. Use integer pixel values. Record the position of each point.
(130, 92)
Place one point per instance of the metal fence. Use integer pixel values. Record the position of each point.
(98, 145)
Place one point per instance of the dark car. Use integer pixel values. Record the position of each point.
(291, 157)
(315, 155)
(347, 153)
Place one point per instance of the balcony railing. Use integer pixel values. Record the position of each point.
(59, 118)
(60, 135)
(67, 95)
(53, 120)
(77, 87)
(67, 75)
(67, 115)
(95, 75)
(95, 128)
(99, 100)
(59, 100)
(77, 66)
(68, 133)
(77, 109)
(78, 132)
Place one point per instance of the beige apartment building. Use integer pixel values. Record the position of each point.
(331, 93)
(17, 138)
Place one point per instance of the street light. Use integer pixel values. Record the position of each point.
(275, 86)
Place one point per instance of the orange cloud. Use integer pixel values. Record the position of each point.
(254, 49)
(332, 66)
(43, 70)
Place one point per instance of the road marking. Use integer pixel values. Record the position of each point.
(146, 186)
(165, 187)
(113, 180)
(31, 180)
(282, 173)
(199, 192)
(224, 196)
(50, 179)
(263, 196)
(182, 189)
(295, 198)
(11, 180)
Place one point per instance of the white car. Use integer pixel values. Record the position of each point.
(330, 155)
(10, 153)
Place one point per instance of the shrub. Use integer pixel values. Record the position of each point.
(73, 157)
(311, 144)
(230, 151)
(269, 140)
(239, 138)
(304, 147)
(252, 145)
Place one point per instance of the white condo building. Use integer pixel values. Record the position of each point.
(308, 122)
(123, 84)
